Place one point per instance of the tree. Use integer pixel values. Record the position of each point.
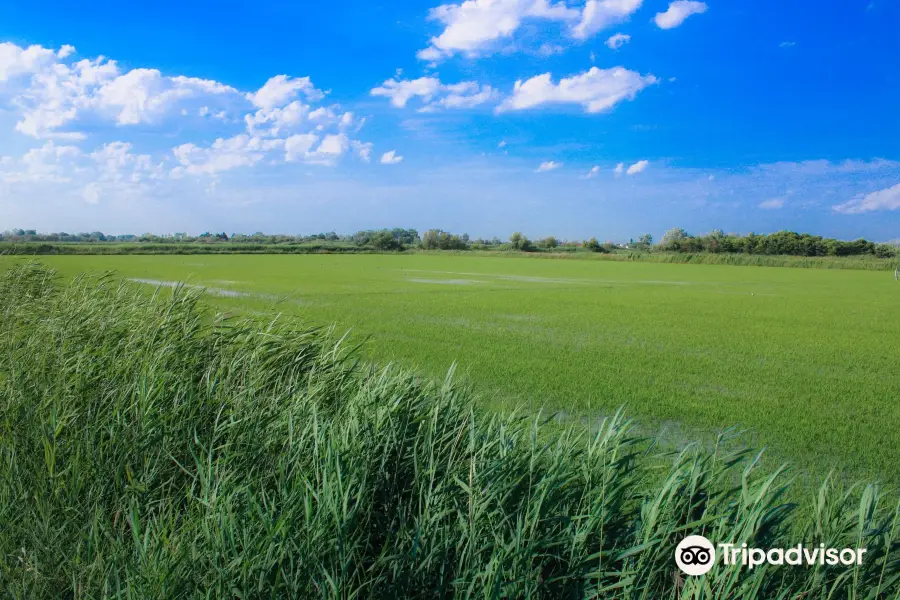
(520, 242)
(384, 240)
(430, 239)
(437, 239)
(549, 243)
(885, 250)
(593, 245)
(674, 239)
(645, 241)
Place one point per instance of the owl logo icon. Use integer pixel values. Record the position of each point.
(695, 555)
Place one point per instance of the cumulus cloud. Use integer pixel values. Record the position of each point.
(617, 41)
(112, 169)
(596, 90)
(279, 120)
(281, 89)
(142, 95)
(433, 94)
(474, 27)
(592, 173)
(16, 61)
(391, 158)
(59, 98)
(50, 163)
(363, 150)
(886, 199)
(333, 146)
(600, 14)
(637, 167)
(548, 166)
(772, 204)
(620, 168)
(223, 154)
(677, 12)
(478, 27)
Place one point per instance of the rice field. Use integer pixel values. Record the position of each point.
(151, 450)
(805, 359)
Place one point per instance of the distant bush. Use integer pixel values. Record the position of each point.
(385, 241)
(594, 246)
(780, 243)
(519, 242)
(548, 243)
(437, 239)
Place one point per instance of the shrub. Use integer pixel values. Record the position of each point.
(594, 246)
(548, 243)
(521, 243)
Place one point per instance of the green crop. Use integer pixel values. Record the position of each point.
(806, 359)
(152, 449)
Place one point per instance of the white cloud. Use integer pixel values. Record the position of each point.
(281, 89)
(222, 155)
(400, 92)
(592, 173)
(50, 163)
(637, 167)
(772, 204)
(434, 94)
(391, 158)
(16, 61)
(502, 144)
(478, 27)
(116, 163)
(298, 147)
(333, 147)
(475, 26)
(277, 121)
(596, 89)
(58, 98)
(620, 168)
(677, 12)
(143, 95)
(548, 166)
(110, 170)
(59, 95)
(363, 150)
(467, 94)
(617, 41)
(787, 44)
(886, 199)
(600, 14)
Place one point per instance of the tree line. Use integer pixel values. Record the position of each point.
(397, 239)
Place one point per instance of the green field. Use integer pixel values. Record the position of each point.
(806, 359)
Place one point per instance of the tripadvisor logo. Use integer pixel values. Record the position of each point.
(695, 555)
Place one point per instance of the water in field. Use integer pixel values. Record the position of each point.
(805, 358)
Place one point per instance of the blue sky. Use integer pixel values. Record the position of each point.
(576, 118)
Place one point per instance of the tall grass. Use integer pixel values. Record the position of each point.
(149, 449)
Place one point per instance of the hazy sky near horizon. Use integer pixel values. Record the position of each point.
(576, 118)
